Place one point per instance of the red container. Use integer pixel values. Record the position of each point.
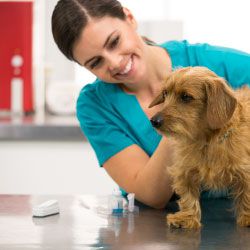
(16, 52)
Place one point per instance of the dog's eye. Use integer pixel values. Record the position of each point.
(185, 97)
(164, 93)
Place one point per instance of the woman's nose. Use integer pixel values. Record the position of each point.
(114, 63)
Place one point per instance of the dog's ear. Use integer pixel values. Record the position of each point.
(221, 103)
(158, 100)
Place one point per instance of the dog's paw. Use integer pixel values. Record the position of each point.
(244, 221)
(182, 220)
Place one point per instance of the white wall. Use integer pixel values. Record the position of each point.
(61, 69)
(148, 10)
(222, 22)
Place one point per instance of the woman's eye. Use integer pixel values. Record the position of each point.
(95, 63)
(114, 42)
(186, 98)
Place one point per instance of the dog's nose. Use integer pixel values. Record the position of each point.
(157, 121)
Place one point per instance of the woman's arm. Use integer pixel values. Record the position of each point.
(147, 177)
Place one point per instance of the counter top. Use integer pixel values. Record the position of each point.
(40, 126)
(83, 223)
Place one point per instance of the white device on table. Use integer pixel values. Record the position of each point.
(47, 208)
(131, 202)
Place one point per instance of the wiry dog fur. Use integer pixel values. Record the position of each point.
(211, 126)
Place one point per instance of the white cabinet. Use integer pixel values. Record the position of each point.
(62, 167)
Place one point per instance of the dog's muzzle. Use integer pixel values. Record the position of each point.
(157, 121)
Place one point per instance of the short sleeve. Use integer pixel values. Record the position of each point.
(105, 136)
(232, 64)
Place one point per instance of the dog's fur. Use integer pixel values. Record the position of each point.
(211, 126)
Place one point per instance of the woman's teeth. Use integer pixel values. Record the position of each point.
(127, 68)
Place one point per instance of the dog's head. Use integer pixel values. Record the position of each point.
(194, 99)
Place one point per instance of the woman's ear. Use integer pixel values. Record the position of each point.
(129, 17)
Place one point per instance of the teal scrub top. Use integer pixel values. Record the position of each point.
(112, 120)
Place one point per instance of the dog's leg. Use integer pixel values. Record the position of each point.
(189, 215)
(241, 193)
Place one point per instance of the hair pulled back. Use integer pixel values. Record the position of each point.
(70, 17)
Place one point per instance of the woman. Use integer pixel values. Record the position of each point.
(113, 111)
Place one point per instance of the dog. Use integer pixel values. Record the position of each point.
(210, 124)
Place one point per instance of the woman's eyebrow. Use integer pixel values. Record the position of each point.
(107, 40)
(104, 45)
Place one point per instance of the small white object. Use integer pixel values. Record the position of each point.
(125, 204)
(61, 97)
(17, 95)
(131, 202)
(17, 61)
(49, 207)
(117, 202)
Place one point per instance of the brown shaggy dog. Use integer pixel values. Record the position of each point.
(211, 126)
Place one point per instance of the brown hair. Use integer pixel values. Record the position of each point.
(70, 17)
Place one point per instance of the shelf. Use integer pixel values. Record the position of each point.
(40, 126)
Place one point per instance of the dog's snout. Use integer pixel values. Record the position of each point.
(157, 121)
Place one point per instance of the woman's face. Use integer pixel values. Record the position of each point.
(112, 50)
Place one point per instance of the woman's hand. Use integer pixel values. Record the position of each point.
(147, 177)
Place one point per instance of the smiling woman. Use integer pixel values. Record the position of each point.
(113, 111)
(109, 55)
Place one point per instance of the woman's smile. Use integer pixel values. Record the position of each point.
(115, 55)
(127, 70)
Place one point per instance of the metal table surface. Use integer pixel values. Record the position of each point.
(83, 223)
(40, 126)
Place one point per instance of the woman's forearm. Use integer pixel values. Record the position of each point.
(153, 183)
